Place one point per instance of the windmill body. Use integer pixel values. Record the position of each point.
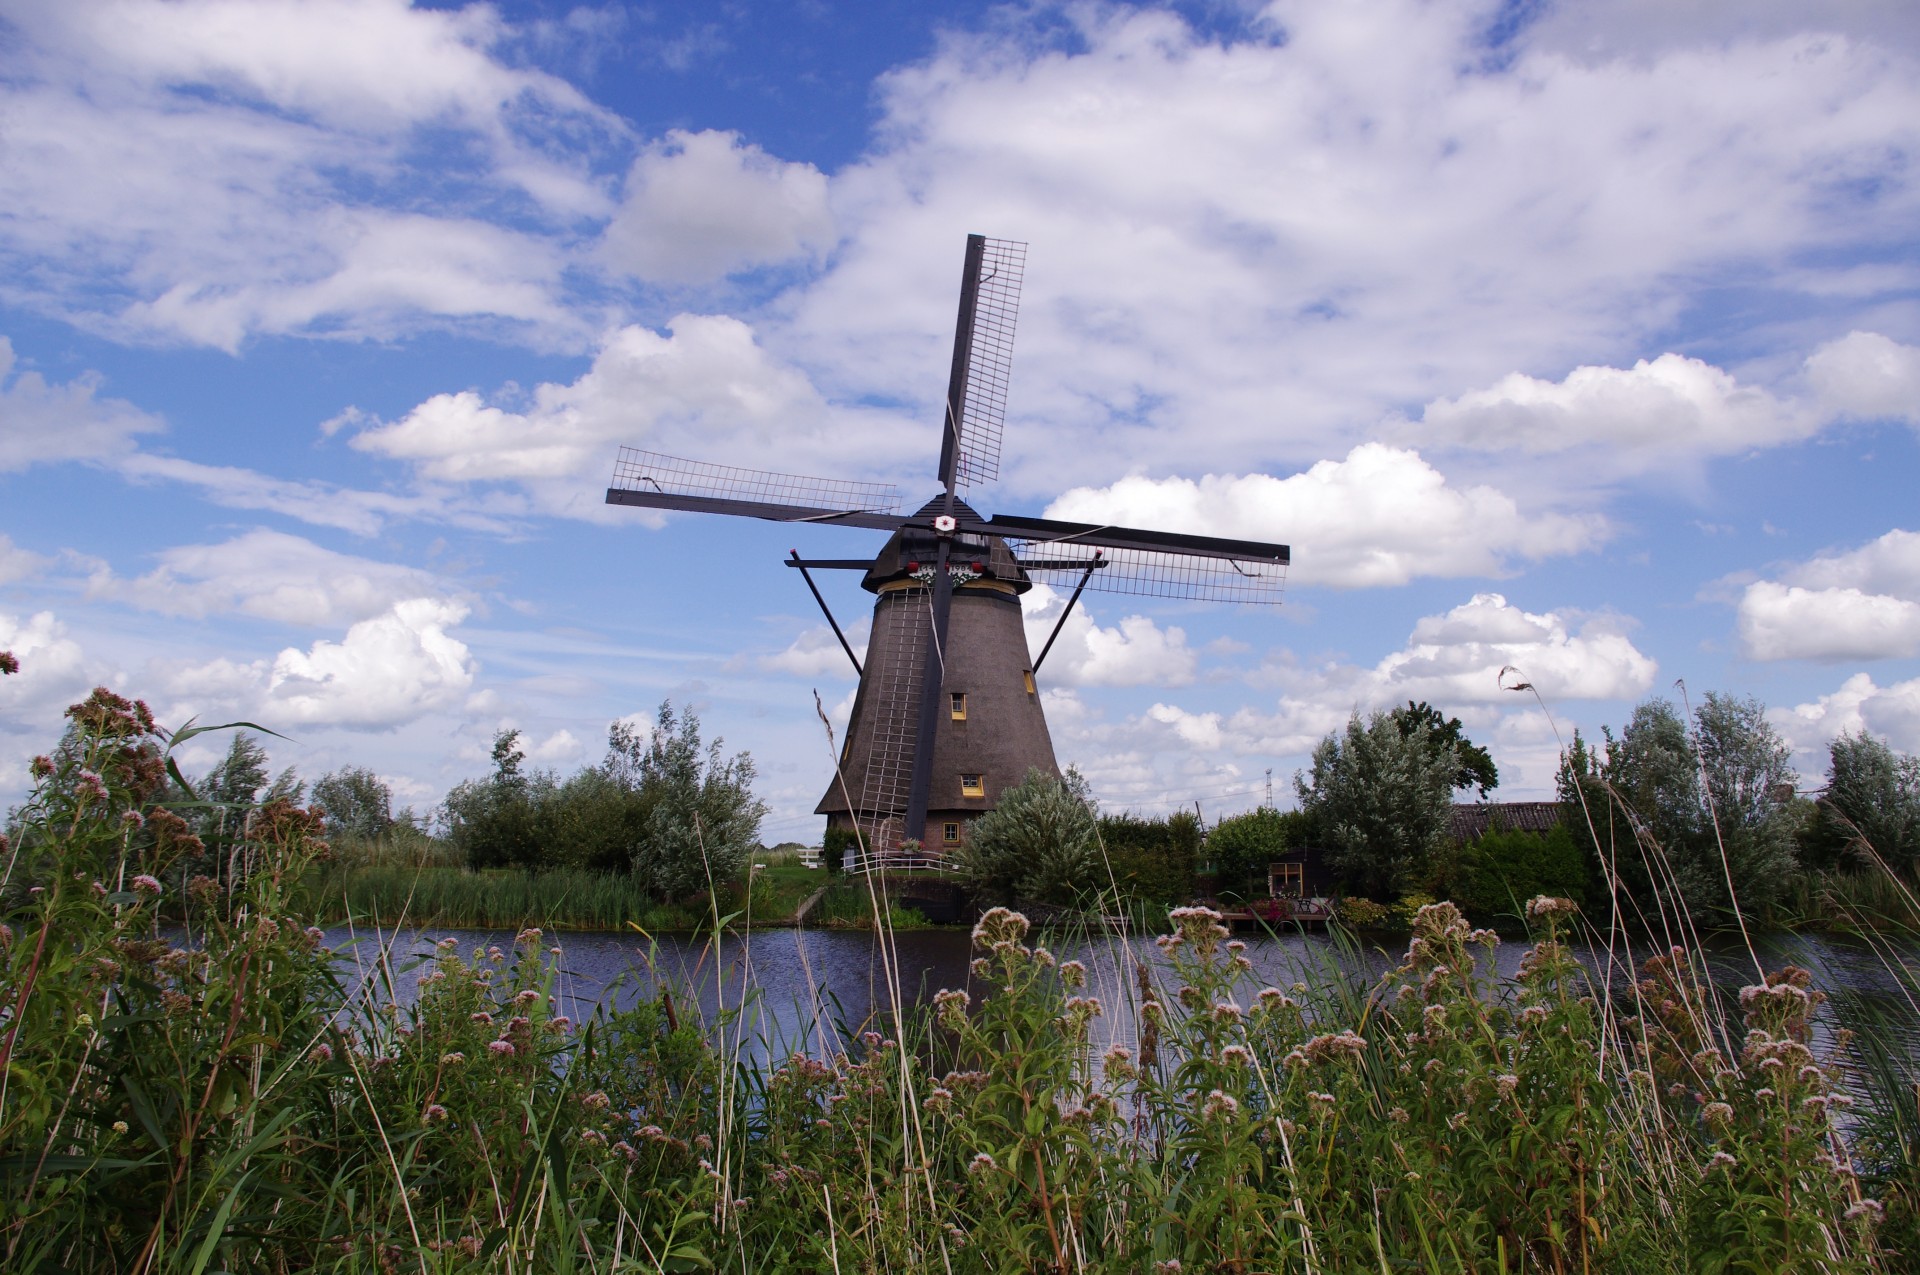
(948, 713)
(989, 728)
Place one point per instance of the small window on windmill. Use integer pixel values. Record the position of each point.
(973, 786)
(950, 834)
(958, 702)
(1031, 688)
(846, 749)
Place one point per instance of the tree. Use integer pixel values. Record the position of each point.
(1872, 804)
(702, 819)
(1379, 794)
(1476, 768)
(358, 803)
(231, 788)
(1037, 846)
(1686, 811)
(237, 778)
(494, 822)
(1242, 846)
(1750, 780)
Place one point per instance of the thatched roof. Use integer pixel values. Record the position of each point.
(1469, 821)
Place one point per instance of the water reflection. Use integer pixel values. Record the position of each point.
(806, 989)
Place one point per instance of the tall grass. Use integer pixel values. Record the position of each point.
(378, 889)
(562, 899)
(222, 1102)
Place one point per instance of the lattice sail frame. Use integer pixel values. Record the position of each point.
(1195, 577)
(983, 413)
(637, 470)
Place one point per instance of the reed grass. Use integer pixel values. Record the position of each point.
(377, 889)
(220, 1100)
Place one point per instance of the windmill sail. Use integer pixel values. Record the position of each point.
(982, 360)
(1160, 564)
(656, 481)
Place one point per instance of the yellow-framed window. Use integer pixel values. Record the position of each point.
(957, 702)
(950, 834)
(973, 785)
(1031, 688)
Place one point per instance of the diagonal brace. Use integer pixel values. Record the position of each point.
(806, 575)
(1098, 560)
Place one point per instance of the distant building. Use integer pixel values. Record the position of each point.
(1470, 821)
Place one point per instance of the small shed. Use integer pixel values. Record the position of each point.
(1300, 873)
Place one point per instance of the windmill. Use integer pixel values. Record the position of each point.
(948, 712)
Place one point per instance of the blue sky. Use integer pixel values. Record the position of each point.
(1578, 338)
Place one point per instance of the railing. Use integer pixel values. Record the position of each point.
(900, 861)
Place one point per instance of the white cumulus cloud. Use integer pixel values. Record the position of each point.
(702, 205)
(42, 422)
(1134, 652)
(1628, 419)
(816, 652)
(1891, 712)
(705, 388)
(17, 563)
(1868, 376)
(1381, 516)
(1452, 660)
(205, 170)
(54, 672)
(1860, 604)
(385, 672)
(270, 575)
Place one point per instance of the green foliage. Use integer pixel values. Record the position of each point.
(1871, 809)
(848, 904)
(1380, 795)
(1242, 846)
(1502, 870)
(1360, 913)
(357, 802)
(1152, 860)
(215, 1098)
(834, 844)
(1681, 813)
(1038, 845)
(702, 817)
(1476, 763)
(495, 822)
(678, 815)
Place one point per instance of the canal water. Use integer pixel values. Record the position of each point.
(807, 989)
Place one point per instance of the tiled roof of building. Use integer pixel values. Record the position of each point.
(1469, 821)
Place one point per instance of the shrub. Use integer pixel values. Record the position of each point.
(834, 844)
(1038, 845)
(1152, 860)
(1502, 870)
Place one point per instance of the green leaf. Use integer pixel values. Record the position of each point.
(218, 1226)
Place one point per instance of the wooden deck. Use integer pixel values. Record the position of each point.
(1279, 912)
